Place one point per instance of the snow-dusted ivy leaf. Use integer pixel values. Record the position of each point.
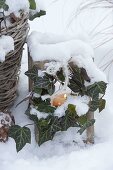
(102, 103)
(21, 135)
(46, 82)
(86, 125)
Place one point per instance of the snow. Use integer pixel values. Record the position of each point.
(15, 6)
(40, 115)
(62, 153)
(53, 67)
(48, 46)
(81, 105)
(57, 49)
(5, 119)
(6, 45)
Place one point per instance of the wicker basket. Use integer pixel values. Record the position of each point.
(9, 69)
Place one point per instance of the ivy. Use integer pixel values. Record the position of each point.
(32, 4)
(32, 73)
(47, 129)
(76, 82)
(21, 135)
(3, 5)
(49, 126)
(38, 14)
(102, 103)
(86, 125)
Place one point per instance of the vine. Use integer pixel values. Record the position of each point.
(43, 110)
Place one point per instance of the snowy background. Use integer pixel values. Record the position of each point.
(62, 153)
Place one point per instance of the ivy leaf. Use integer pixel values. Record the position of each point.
(27, 112)
(32, 73)
(46, 82)
(32, 4)
(102, 87)
(70, 118)
(51, 89)
(21, 135)
(93, 105)
(76, 83)
(38, 14)
(102, 103)
(37, 90)
(60, 75)
(85, 75)
(4, 5)
(82, 120)
(45, 108)
(86, 125)
(94, 90)
(47, 129)
(73, 86)
(43, 82)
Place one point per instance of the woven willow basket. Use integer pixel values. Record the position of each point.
(9, 69)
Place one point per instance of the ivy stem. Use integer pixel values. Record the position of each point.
(29, 124)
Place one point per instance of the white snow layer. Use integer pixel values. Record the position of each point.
(40, 115)
(47, 46)
(81, 105)
(6, 45)
(5, 119)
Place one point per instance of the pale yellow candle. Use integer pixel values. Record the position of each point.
(59, 100)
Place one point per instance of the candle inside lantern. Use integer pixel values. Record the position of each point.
(59, 100)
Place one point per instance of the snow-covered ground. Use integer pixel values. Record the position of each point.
(62, 153)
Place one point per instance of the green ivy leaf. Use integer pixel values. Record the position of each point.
(93, 105)
(21, 135)
(38, 14)
(45, 108)
(76, 83)
(32, 4)
(96, 89)
(60, 75)
(3, 5)
(32, 73)
(70, 118)
(102, 103)
(51, 88)
(43, 82)
(82, 120)
(46, 82)
(47, 129)
(37, 90)
(86, 125)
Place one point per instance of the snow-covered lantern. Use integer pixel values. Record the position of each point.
(66, 85)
